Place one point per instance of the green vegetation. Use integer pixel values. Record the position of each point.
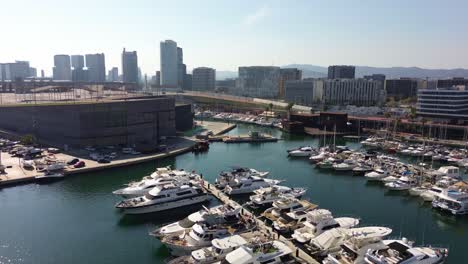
(27, 139)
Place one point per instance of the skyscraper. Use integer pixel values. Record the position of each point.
(181, 68)
(113, 75)
(258, 81)
(129, 66)
(341, 72)
(96, 67)
(288, 74)
(170, 58)
(203, 79)
(78, 73)
(62, 69)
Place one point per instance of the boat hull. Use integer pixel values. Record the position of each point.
(165, 206)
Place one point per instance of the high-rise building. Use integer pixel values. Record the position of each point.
(360, 92)
(32, 72)
(203, 79)
(129, 66)
(79, 74)
(341, 72)
(401, 88)
(444, 104)
(170, 58)
(258, 81)
(288, 74)
(113, 75)
(187, 82)
(62, 68)
(300, 92)
(42, 74)
(96, 65)
(181, 68)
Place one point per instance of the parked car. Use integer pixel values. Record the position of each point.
(103, 161)
(79, 164)
(73, 161)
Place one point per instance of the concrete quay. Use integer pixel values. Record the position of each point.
(300, 255)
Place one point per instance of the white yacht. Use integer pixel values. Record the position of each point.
(302, 152)
(226, 178)
(429, 195)
(268, 195)
(290, 221)
(417, 191)
(403, 252)
(452, 201)
(319, 157)
(201, 235)
(163, 198)
(218, 250)
(248, 185)
(404, 183)
(216, 215)
(330, 241)
(140, 188)
(319, 221)
(285, 205)
(376, 175)
(347, 165)
(274, 252)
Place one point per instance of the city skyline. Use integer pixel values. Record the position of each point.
(246, 33)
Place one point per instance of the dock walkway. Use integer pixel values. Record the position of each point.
(300, 255)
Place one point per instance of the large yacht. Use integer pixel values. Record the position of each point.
(331, 241)
(285, 205)
(218, 250)
(216, 215)
(162, 198)
(404, 183)
(319, 221)
(274, 252)
(201, 235)
(248, 185)
(266, 196)
(403, 252)
(290, 221)
(142, 187)
(452, 201)
(226, 178)
(302, 152)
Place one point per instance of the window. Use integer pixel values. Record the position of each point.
(183, 193)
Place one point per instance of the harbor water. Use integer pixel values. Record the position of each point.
(74, 220)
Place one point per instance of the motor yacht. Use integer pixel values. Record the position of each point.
(248, 185)
(417, 191)
(201, 235)
(452, 201)
(403, 252)
(216, 215)
(330, 241)
(218, 250)
(347, 165)
(266, 196)
(273, 252)
(402, 184)
(162, 198)
(389, 179)
(319, 157)
(429, 195)
(140, 188)
(326, 164)
(360, 170)
(319, 221)
(302, 152)
(49, 177)
(376, 175)
(226, 178)
(285, 205)
(290, 221)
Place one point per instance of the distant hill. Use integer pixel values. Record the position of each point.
(314, 71)
(391, 72)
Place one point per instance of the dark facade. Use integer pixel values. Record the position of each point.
(136, 122)
(288, 74)
(401, 88)
(299, 92)
(183, 117)
(447, 83)
(96, 67)
(341, 72)
(130, 66)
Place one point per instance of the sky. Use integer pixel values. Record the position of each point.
(227, 34)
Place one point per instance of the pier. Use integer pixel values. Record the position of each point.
(300, 255)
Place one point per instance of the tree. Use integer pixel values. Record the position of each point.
(27, 139)
(289, 107)
(412, 112)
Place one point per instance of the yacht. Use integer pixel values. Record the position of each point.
(319, 221)
(216, 215)
(347, 165)
(268, 195)
(360, 170)
(376, 175)
(49, 176)
(274, 252)
(452, 201)
(248, 185)
(302, 152)
(402, 184)
(285, 205)
(140, 188)
(389, 179)
(429, 195)
(163, 198)
(326, 164)
(319, 157)
(218, 250)
(403, 252)
(201, 235)
(228, 178)
(330, 241)
(290, 221)
(417, 191)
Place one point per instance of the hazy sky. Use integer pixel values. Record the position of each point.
(227, 34)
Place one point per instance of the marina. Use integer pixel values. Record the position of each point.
(341, 193)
